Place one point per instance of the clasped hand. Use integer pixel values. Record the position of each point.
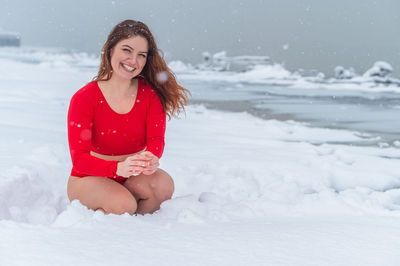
(142, 163)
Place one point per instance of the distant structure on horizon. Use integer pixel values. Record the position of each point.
(10, 39)
(221, 62)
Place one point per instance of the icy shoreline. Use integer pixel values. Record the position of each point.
(261, 70)
(375, 138)
(276, 75)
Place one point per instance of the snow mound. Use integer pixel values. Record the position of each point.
(29, 199)
(379, 69)
(179, 66)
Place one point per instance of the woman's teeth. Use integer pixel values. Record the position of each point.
(128, 67)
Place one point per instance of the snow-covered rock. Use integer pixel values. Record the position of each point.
(380, 69)
(342, 73)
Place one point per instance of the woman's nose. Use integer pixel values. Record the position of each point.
(132, 58)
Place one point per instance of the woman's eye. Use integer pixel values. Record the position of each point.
(143, 55)
(126, 50)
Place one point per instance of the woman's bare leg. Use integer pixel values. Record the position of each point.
(99, 193)
(150, 190)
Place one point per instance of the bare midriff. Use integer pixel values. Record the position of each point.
(118, 158)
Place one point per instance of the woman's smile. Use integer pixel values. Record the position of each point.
(130, 69)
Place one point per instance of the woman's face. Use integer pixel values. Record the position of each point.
(129, 56)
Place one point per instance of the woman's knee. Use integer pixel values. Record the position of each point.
(163, 185)
(158, 185)
(122, 202)
(139, 187)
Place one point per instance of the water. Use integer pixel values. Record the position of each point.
(374, 113)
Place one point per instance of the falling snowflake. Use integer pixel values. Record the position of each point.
(162, 77)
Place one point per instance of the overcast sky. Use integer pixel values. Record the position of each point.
(318, 34)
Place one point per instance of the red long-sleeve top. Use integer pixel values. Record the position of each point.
(94, 126)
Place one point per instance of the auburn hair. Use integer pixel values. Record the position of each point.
(155, 72)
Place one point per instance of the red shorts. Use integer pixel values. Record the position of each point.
(119, 179)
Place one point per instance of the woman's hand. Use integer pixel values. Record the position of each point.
(133, 165)
(153, 163)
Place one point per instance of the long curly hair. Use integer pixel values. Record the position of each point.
(155, 72)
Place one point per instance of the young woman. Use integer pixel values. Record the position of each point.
(116, 126)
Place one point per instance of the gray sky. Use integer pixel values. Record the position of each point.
(319, 34)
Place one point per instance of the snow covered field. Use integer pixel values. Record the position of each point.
(248, 191)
